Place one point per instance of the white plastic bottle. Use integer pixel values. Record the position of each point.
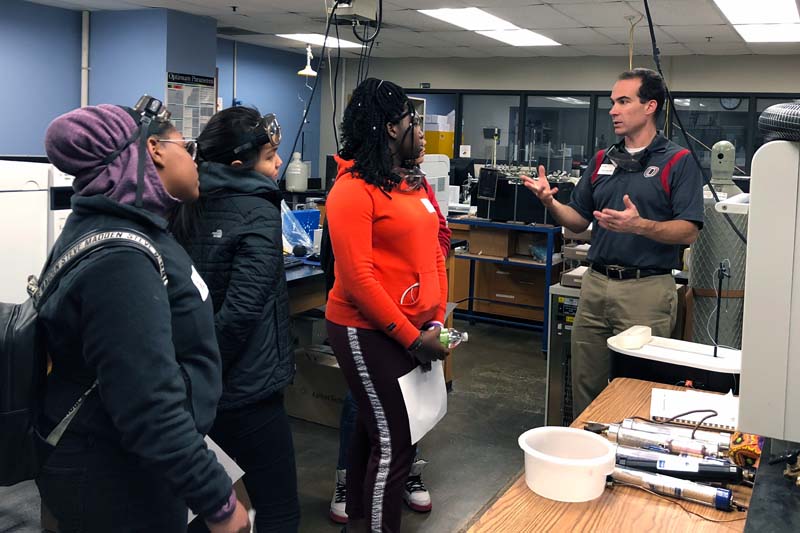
(296, 175)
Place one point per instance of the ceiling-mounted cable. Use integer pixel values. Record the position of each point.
(657, 60)
(633, 24)
(316, 81)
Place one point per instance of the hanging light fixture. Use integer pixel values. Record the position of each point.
(308, 71)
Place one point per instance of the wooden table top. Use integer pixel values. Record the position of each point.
(620, 508)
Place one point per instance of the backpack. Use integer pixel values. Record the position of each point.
(24, 360)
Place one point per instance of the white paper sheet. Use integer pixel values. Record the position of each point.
(233, 470)
(425, 395)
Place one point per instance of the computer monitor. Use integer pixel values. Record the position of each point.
(487, 184)
(489, 133)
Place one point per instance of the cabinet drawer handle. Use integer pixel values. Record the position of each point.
(506, 296)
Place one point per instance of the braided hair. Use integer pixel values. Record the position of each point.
(365, 140)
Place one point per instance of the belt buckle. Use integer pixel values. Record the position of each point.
(618, 271)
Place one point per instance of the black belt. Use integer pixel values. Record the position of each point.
(622, 272)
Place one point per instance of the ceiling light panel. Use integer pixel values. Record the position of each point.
(317, 39)
(520, 37)
(470, 18)
(769, 33)
(760, 12)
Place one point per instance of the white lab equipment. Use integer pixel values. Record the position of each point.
(60, 194)
(23, 219)
(437, 171)
(770, 388)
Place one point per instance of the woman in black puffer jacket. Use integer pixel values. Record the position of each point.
(233, 235)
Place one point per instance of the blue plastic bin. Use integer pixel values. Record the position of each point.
(309, 219)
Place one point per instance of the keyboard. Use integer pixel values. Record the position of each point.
(290, 261)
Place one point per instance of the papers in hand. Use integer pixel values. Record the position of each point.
(231, 468)
(425, 395)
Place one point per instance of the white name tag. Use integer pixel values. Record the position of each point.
(202, 288)
(606, 169)
(428, 205)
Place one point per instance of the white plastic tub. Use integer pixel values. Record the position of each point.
(566, 464)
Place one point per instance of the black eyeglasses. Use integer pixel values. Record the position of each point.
(189, 144)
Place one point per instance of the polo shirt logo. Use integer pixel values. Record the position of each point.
(651, 171)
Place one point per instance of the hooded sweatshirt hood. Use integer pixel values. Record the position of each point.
(78, 142)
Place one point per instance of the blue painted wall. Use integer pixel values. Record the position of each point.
(191, 44)
(267, 79)
(40, 58)
(437, 104)
(225, 71)
(127, 55)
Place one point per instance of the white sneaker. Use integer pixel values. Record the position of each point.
(416, 495)
(339, 499)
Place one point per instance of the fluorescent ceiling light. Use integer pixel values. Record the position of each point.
(760, 12)
(469, 18)
(568, 100)
(317, 39)
(519, 37)
(685, 102)
(769, 33)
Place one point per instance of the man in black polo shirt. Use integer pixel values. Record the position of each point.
(645, 196)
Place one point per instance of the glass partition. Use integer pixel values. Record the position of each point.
(556, 129)
(485, 114)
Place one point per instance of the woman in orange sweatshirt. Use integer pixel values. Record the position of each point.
(388, 300)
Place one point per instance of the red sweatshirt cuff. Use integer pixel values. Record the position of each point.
(405, 334)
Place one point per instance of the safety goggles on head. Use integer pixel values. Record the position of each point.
(146, 111)
(626, 161)
(267, 130)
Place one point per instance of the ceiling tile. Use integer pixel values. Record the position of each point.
(414, 20)
(514, 51)
(404, 36)
(641, 35)
(683, 12)
(605, 50)
(559, 51)
(713, 48)
(505, 3)
(576, 36)
(434, 4)
(597, 14)
(775, 48)
(721, 33)
(533, 17)
(466, 38)
(456, 51)
(397, 52)
(668, 49)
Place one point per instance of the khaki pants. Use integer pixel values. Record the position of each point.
(608, 307)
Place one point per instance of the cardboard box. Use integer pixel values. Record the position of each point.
(319, 387)
(309, 328)
(491, 242)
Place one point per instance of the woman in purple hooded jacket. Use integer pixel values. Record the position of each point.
(133, 458)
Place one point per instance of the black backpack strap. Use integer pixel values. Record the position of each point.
(91, 242)
(87, 244)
